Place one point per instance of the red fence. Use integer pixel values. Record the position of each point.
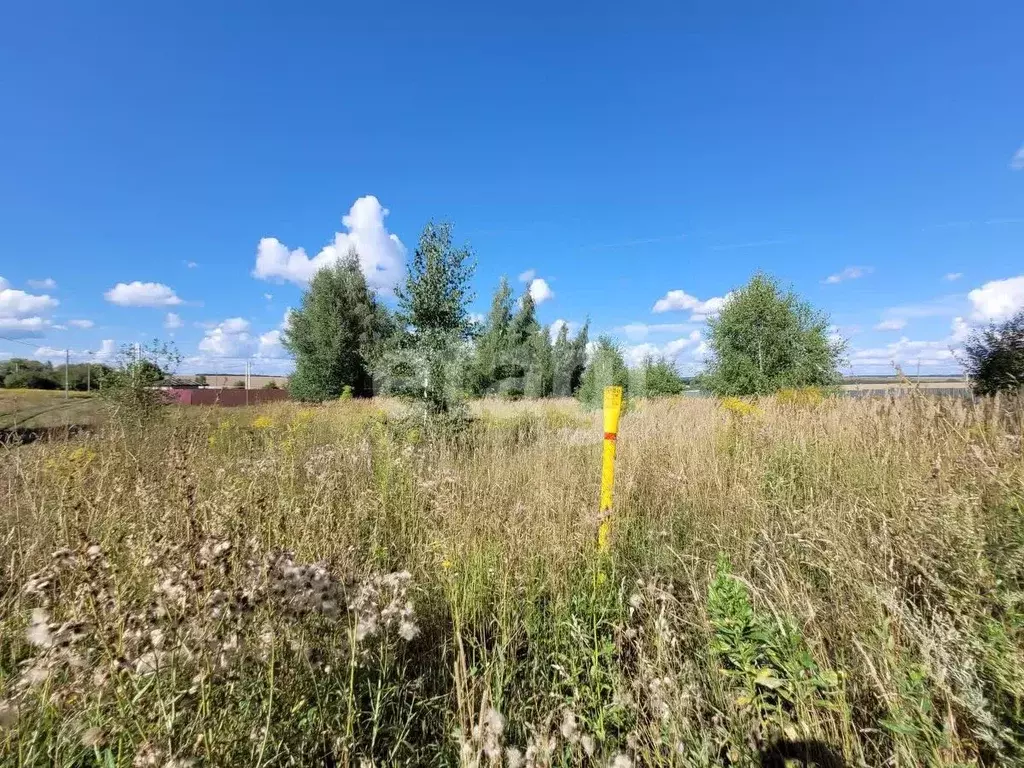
(225, 397)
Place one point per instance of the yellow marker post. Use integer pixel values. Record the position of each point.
(612, 411)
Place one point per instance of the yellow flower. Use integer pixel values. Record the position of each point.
(740, 408)
(263, 422)
(446, 564)
(305, 416)
(803, 397)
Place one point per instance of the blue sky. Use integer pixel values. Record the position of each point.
(619, 152)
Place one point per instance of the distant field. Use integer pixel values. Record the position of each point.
(39, 408)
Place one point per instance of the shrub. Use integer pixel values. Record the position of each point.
(995, 357)
(131, 389)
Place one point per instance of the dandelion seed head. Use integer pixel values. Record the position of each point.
(38, 632)
(92, 737)
(568, 727)
(408, 630)
(587, 742)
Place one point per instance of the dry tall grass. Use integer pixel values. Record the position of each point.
(337, 586)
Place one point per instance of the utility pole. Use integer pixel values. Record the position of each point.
(246, 382)
(88, 376)
(67, 364)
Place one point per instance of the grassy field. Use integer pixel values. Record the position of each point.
(40, 408)
(338, 586)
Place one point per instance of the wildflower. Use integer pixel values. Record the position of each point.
(740, 408)
(262, 422)
(514, 758)
(621, 761)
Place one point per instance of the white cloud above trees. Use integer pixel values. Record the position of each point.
(381, 254)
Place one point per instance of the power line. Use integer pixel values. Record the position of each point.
(19, 341)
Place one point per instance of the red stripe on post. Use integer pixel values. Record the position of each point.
(610, 435)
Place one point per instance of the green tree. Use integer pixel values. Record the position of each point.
(994, 357)
(766, 339)
(658, 377)
(540, 373)
(569, 359)
(492, 345)
(336, 334)
(201, 380)
(81, 376)
(606, 368)
(23, 366)
(578, 358)
(561, 363)
(29, 379)
(429, 360)
(520, 347)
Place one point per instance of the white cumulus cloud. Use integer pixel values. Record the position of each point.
(381, 254)
(81, 323)
(46, 284)
(540, 290)
(634, 355)
(571, 328)
(270, 345)
(997, 300)
(850, 273)
(681, 301)
(23, 327)
(139, 294)
(1017, 161)
(106, 353)
(234, 337)
(23, 314)
(230, 338)
(527, 276)
(14, 303)
(893, 324)
(172, 321)
(951, 276)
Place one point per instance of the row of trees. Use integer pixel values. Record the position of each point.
(344, 338)
(21, 373)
